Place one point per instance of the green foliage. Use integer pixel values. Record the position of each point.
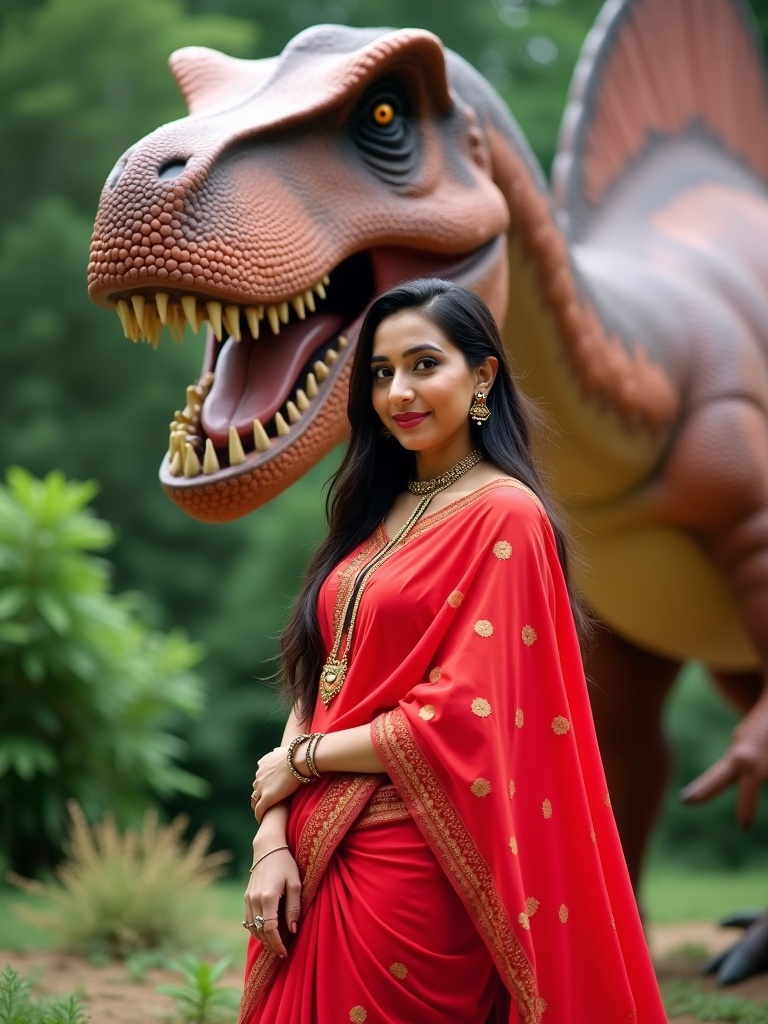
(685, 997)
(105, 85)
(117, 893)
(19, 1006)
(89, 694)
(201, 999)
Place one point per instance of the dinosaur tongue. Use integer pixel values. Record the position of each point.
(255, 378)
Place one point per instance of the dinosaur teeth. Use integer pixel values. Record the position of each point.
(189, 305)
(302, 402)
(177, 464)
(311, 386)
(192, 465)
(137, 301)
(321, 370)
(331, 356)
(141, 318)
(161, 301)
(252, 316)
(260, 437)
(214, 316)
(342, 342)
(293, 413)
(236, 452)
(281, 426)
(210, 459)
(273, 318)
(232, 321)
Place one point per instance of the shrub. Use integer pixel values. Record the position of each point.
(17, 1005)
(201, 999)
(89, 694)
(117, 893)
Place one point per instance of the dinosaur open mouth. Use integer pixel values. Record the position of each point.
(268, 366)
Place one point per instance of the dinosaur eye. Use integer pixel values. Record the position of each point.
(383, 113)
(384, 131)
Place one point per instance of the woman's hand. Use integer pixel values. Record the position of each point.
(273, 782)
(274, 878)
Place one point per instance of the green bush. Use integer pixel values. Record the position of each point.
(90, 696)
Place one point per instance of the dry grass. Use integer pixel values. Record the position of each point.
(120, 892)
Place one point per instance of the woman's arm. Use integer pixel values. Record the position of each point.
(274, 822)
(350, 750)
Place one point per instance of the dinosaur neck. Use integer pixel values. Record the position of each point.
(612, 408)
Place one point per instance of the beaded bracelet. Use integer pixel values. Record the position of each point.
(296, 742)
(314, 739)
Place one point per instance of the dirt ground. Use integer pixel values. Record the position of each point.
(112, 998)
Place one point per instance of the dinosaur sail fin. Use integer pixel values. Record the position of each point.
(650, 71)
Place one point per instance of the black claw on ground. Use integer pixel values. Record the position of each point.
(746, 957)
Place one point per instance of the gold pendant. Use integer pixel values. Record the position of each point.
(332, 679)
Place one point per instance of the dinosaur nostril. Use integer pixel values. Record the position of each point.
(172, 169)
(114, 175)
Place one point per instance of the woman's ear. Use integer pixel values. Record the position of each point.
(485, 374)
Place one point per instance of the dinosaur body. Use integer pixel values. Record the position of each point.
(635, 302)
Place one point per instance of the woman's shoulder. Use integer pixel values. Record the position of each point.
(509, 497)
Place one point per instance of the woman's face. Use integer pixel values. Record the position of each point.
(422, 386)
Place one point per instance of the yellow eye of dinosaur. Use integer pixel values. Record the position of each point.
(383, 113)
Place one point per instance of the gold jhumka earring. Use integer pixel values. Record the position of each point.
(479, 411)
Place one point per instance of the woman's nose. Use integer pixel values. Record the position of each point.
(400, 389)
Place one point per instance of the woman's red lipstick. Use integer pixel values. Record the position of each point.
(410, 419)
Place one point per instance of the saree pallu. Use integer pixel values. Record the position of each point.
(466, 665)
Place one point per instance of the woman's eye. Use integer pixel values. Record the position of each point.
(427, 363)
(381, 372)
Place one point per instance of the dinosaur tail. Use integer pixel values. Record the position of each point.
(650, 72)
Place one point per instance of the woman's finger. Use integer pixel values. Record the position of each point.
(293, 905)
(270, 933)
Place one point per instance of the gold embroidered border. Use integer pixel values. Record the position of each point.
(428, 521)
(347, 576)
(455, 848)
(385, 805)
(344, 799)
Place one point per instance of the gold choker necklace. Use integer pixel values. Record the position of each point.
(439, 483)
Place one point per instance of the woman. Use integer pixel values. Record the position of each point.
(436, 841)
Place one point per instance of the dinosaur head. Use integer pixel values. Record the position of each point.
(297, 189)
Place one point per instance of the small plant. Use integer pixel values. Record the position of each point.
(683, 997)
(117, 893)
(201, 999)
(17, 1005)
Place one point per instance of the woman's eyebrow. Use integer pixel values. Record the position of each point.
(409, 352)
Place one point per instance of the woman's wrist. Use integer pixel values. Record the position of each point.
(273, 829)
(300, 760)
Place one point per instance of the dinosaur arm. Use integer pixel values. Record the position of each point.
(744, 764)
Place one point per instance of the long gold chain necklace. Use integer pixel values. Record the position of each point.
(335, 669)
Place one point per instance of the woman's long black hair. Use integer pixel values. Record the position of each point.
(375, 469)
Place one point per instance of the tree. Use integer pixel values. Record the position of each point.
(90, 695)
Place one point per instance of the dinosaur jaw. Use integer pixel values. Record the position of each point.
(271, 398)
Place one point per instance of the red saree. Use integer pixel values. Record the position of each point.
(502, 895)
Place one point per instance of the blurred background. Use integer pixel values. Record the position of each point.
(158, 695)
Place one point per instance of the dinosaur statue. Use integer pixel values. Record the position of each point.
(634, 301)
